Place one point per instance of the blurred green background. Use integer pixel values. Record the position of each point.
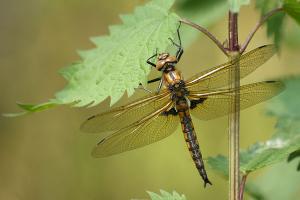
(45, 156)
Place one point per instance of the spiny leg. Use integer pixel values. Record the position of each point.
(150, 81)
(151, 63)
(179, 46)
(155, 80)
(160, 85)
(143, 88)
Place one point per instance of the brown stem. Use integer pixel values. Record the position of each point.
(233, 32)
(234, 109)
(207, 33)
(242, 187)
(257, 26)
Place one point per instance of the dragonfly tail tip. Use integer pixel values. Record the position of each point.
(206, 181)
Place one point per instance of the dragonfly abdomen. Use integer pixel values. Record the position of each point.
(191, 139)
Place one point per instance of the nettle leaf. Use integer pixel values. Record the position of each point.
(275, 28)
(118, 63)
(285, 141)
(259, 155)
(292, 8)
(234, 5)
(286, 105)
(270, 184)
(166, 196)
(219, 163)
(286, 108)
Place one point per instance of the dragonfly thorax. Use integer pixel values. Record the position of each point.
(178, 90)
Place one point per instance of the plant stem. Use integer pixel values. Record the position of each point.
(257, 26)
(242, 187)
(207, 33)
(233, 32)
(234, 117)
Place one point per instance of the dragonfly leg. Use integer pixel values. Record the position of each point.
(155, 80)
(143, 88)
(159, 86)
(151, 63)
(150, 81)
(179, 46)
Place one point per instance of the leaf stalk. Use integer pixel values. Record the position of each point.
(242, 187)
(207, 33)
(263, 19)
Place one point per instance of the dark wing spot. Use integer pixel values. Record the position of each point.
(101, 141)
(262, 46)
(194, 103)
(91, 117)
(172, 111)
(270, 81)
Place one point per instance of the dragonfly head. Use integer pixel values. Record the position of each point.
(165, 61)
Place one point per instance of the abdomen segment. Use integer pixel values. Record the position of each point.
(192, 143)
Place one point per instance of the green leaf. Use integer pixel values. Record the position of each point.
(292, 8)
(285, 140)
(259, 155)
(234, 5)
(280, 182)
(118, 63)
(166, 196)
(31, 108)
(219, 164)
(275, 28)
(268, 153)
(286, 105)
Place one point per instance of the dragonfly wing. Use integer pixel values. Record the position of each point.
(210, 106)
(218, 76)
(120, 117)
(143, 132)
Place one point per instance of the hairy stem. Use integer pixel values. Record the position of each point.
(257, 26)
(234, 117)
(242, 187)
(207, 33)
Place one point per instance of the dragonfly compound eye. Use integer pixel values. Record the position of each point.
(164, 59)
(163, 56)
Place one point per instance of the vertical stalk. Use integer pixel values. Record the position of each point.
(234, 117)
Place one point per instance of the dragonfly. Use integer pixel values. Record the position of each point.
(205, 95)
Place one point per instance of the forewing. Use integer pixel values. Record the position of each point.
(144, 132)
(123, 116)
(217, 104)
(218, 76)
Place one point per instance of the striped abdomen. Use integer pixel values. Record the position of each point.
(191, 139)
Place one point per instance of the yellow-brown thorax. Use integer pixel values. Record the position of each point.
(166, 63)
(172, 77)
